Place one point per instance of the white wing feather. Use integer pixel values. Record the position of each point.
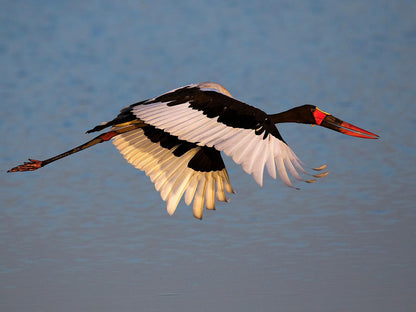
(171, 175)
(245, 147)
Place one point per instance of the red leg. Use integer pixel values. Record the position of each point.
(108, 135)
(34, 164)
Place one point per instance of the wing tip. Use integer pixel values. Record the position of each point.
(321, 175)
(320, 167)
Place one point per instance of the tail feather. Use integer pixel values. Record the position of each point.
(100, 127)
(125, 117)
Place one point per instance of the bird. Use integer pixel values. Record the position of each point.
(177, 138)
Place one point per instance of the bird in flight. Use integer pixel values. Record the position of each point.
(176, 139)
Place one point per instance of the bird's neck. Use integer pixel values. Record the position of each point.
(300, 114)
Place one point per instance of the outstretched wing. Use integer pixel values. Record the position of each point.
(176, 167)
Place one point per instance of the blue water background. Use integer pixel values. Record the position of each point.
(89, 233)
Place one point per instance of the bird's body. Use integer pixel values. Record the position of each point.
(176, 139)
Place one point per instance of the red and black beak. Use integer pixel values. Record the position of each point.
(328, 121)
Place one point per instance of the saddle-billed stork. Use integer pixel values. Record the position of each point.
(176, 139)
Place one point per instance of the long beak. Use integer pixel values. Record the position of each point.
(336, 124)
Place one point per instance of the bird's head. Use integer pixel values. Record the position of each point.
(310, 114)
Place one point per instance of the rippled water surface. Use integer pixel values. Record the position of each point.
(89, 233)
